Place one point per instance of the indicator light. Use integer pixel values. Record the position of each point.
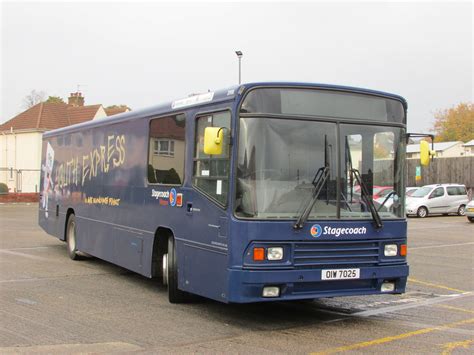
(403, 250)
(258, 254)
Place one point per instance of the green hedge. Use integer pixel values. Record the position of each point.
(3, 188)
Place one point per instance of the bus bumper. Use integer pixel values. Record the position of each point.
(247, 285)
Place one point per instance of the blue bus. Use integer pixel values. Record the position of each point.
(259, 192)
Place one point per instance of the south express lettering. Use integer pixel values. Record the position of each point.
(102, 159)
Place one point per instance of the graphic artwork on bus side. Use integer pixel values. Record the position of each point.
(47, 179)
(102, 159)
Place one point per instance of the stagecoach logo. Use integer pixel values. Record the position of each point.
(168, 198)
(159, 194)
(173, 197)
(316, 231)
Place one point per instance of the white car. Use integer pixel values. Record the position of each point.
(388, 204)
(437, 199)
(470, 211)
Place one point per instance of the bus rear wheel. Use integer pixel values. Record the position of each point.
(71, 237)
(170, 274)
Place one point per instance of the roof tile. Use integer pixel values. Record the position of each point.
(47, 115)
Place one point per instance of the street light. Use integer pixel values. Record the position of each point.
(239, 55)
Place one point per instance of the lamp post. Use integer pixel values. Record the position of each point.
(239, 55)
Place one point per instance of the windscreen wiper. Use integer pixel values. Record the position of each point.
(319, 180)
(366, 197)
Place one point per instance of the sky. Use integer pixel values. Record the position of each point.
(146, 53)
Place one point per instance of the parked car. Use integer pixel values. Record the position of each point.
(411, 190)
(437, 199)
(389, 202)
(382, 191)
(470, 211)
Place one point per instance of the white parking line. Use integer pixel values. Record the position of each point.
(16, 253)
(441, 246)
(440, 299)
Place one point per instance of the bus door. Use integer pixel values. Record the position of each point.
(206, 252)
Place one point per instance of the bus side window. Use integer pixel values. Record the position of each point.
(166, 150)
(211, 172)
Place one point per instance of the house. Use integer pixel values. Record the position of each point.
(21, 138)
(442, 149)
(469, 148)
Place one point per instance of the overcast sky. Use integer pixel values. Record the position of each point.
(142, 54)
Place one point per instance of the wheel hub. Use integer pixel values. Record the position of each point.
(165, 269)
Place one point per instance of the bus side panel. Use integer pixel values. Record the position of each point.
(112, 201)
(49, 216)
(205, 272)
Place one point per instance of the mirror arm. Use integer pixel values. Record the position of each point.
(219, 131)
(420, 135)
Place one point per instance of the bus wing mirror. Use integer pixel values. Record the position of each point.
(425, 153)
(213, 138)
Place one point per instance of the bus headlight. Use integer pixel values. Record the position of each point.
(275, 253)
(390, 250)
(271, 291)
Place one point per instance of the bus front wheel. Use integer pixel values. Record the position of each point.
(170, 274)
(71, 237)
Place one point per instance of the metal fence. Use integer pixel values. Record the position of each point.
(21, 180)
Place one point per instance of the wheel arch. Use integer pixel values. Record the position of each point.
(69, 212)
(160, 247)
(424, 207)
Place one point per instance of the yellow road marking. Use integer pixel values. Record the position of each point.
(392, 338)
(455, 308)
(449, 347)
(435, 285)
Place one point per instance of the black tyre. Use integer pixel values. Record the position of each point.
(461, 210)
(71, 237)
(170, 274)
(470, 219)
(422, 212)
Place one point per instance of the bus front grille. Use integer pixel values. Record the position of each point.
(336, 254)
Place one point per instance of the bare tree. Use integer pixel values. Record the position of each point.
(33, 98)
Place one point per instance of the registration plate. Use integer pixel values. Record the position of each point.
(470, 210)
(340, 274)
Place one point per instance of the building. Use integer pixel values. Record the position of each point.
(469, 148)
(442, 149)
(21, 138)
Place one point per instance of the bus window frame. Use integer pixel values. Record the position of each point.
(319, 117)
(197, 115)
(149, 146)
(336, 120)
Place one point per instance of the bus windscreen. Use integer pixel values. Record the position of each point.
(323, 103)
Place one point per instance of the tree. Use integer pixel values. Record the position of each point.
(33, 98)
(117, 106)
(455, 124)
(55, 100)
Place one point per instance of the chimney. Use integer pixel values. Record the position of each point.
(76, 99)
